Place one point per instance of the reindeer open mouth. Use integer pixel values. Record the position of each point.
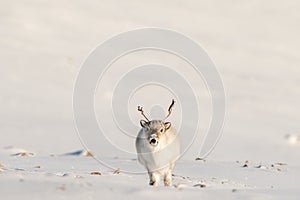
(153, 140)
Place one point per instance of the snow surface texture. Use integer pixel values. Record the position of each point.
(255, 46)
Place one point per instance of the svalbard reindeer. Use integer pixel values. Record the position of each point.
(158, 147)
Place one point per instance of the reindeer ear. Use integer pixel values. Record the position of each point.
(143, 123)
(167, 125)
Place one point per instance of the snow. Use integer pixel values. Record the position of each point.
(70, 177)
(254, 45)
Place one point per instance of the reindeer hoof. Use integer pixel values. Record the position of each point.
(168, 183)
(152, 183)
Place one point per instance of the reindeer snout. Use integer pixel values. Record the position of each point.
(153, 140)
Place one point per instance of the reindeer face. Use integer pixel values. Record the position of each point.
(154, 130)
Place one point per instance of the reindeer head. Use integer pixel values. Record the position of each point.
(154, 129)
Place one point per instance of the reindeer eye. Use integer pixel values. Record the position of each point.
(161, 130)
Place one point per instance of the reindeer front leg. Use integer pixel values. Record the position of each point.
(168, 175)
(154, 178)
(168, 178)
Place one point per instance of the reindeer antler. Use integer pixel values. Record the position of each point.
(142, 112)
(170, 109)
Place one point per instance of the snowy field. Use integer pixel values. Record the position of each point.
(256, 49)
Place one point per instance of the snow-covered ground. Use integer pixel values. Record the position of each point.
(254, 45)
(77, 177)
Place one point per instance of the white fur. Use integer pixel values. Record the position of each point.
(159, 159)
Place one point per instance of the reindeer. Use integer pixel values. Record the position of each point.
(158, 147)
